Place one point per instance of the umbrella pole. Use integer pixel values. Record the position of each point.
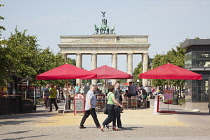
(105, 89)
(168, 89)
(168, 84)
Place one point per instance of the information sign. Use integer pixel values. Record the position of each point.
(79, 103)
(168, 96)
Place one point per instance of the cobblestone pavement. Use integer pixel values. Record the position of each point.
(138, 124)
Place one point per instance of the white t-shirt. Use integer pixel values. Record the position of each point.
(90, 96)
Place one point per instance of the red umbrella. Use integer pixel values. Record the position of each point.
(169, 71)
(106, 72)
(66, 71)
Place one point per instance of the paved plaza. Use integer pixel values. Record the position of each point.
(138, 124)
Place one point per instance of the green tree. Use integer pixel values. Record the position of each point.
(1, 18)
(176, 57)
(3, 62)
(22, 51)
(139, 69)
(22, 56)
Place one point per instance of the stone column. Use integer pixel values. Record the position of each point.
(130, 65)
(114, 65)
(145, 67)
(79, 64)
(65, 58)
(94, 65)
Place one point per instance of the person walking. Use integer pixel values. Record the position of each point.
(52, 98)
(118, 108)
(111, 110)
(90, 106)
(46, 95)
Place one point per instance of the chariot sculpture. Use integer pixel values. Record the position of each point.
(104, 28)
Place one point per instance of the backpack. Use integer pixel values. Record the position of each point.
(144, 92)
(46, 90)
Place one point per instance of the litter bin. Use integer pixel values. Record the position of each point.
(175, 100)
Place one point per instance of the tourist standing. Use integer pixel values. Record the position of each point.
(103, 89)
(131, 92)
(86, 88)
(46, 95)
(71, 90)
(82, 89)
(144, 96)
(67, 97)
(52, 98)
(90, 106)
(150, 90)
(77, 88)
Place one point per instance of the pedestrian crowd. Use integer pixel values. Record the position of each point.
(114, 94)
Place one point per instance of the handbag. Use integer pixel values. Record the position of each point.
(105, 108)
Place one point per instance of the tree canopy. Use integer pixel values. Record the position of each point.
(174, 56)
(20, 54)
(1, 18)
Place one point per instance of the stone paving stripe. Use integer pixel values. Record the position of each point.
(128, 117)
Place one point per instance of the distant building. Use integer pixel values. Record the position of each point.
(197, 59)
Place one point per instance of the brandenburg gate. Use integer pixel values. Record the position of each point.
(106, 42)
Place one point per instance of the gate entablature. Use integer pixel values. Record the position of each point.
(106, 43)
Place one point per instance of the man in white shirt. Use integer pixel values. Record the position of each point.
(90, 106)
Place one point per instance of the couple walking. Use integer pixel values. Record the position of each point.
(113, 108)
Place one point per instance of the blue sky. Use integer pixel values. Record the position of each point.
(166, 22)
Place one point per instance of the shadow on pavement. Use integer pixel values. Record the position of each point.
(29, 137)
(130, 128)
(124, 128)
(193, 113)
(40, 112)
(12, 122)
(17, 132)
(29, 115)
(183, 113)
